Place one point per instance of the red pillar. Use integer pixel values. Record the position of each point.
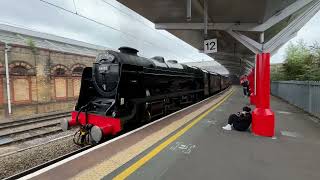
(263, 122)
(251, 77)
(257, 73)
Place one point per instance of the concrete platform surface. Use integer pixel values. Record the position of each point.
(206, 151)
(103, 159)
(192, 145)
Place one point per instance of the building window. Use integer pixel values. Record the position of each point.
(76, 81)
(20, 76)
(59, 70)
(19, 70)
(60, 85)
(60, 73)
(77, 71)
(21, 90)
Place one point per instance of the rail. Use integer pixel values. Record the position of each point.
(30, 128)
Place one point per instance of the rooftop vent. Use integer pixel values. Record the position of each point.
(159, 59)
(129, 50)
(173, 61)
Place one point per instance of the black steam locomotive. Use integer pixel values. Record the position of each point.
(123, 89)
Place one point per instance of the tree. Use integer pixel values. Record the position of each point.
(277, 75)
(302, 63)
(297, 61)
(315, 67)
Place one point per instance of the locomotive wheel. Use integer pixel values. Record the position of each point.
(95, 134)
(147, 116)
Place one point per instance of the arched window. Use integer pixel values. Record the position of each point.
(21, 81)
(60, 72)
(77, 71)
(19, 70)
(59, 75)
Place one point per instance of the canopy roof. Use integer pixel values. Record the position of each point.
(242, 27)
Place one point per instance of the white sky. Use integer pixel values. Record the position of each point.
(310, 33)
(126, 28)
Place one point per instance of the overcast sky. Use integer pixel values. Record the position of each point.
(121, 27)
(310, 33)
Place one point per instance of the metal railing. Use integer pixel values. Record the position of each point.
(303, 94)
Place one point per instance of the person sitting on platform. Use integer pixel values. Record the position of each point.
(240, 121)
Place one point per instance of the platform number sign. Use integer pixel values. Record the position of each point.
(210, 46)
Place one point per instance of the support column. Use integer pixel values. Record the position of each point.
(263, 121)
(251, 78)
(257, 73)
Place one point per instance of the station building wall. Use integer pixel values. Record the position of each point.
(41, 80)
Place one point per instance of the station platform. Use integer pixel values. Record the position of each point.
(191, 144)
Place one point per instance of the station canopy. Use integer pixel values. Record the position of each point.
(242, 28)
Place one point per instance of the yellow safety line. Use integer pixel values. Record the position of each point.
(127, 172)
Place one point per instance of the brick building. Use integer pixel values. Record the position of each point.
(44, 71)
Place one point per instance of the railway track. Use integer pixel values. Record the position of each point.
(26, 129)
(46, 164)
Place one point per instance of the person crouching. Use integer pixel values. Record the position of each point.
(240, 121)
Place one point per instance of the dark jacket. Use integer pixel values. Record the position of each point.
(243, 122)
(245, 83)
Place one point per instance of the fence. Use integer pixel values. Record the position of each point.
(303, 94)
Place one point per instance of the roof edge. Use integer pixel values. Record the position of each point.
(47, 36)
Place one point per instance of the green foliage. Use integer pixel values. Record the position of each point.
(277, 75)
(302, 63)
(32, 45)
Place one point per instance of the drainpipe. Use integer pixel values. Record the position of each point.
(205, 18)
(7, 49)
(189, 10)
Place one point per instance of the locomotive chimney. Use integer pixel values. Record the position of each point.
(129, 50)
